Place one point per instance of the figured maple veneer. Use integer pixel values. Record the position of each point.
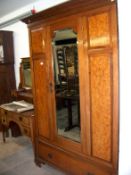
(99, 33)
(101, 112)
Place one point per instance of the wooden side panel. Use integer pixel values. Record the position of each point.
(101, 71)
(41, 96)
(37, 39)
(100, 87)
(99, 34)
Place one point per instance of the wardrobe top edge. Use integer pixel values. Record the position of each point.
(68, 8)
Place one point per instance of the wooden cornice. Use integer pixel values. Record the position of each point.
(68, 8)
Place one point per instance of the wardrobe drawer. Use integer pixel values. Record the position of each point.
(59, 159)
(68, 163)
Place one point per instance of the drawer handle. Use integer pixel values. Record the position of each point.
(90, 173)
(50, 155)
(20, 118)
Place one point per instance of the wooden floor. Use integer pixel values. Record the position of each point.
(16, 158)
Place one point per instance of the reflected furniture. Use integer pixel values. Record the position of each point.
(25, 73)
(91, 149)
(70, 98)
(68, 91)
(63, 69)
(24, 91)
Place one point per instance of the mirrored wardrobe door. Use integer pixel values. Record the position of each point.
(66, 82)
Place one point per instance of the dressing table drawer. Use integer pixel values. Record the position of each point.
(24, 120)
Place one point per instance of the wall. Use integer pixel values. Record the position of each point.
(21, 43)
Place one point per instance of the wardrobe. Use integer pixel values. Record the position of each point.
(74, 62)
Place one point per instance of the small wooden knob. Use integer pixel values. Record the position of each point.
(50, 155)
(20, 118)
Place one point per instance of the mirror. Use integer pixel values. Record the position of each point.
(1, 51)
(66, 78)
(25, 73)
(1, 54)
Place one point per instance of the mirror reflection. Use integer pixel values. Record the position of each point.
(67, 84)
(1, 51)
(1, 54)
(26, 73)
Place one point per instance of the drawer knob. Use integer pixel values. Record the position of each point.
(90, 173)
(20, 118)
(50, 155)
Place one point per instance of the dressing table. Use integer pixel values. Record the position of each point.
(20, 123)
